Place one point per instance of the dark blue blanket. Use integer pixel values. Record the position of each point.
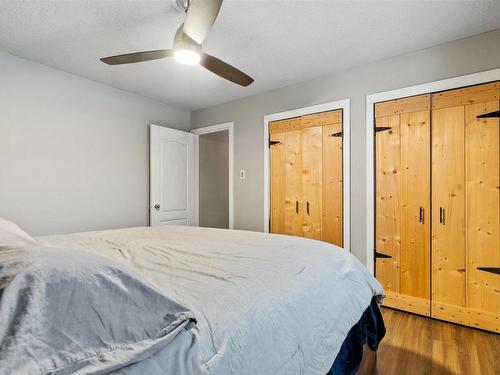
(369, 330)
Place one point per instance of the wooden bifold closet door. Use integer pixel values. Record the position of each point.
(306, 176)
(465, 197)
(402, 202)
(437, 219)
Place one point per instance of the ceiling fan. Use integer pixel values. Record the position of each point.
(200, 16)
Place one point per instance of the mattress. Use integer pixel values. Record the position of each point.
(264, 304)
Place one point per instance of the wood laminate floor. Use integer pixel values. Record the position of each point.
(419, 345)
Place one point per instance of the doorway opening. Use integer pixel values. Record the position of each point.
(215, 156)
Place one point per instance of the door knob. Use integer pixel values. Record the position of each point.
(157, 207)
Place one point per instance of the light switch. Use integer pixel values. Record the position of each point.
(242, 174)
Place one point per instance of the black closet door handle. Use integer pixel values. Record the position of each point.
(307, 208)
(296, 207)
(421, 216)
(442, 215)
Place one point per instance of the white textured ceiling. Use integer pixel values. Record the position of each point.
(278, 42)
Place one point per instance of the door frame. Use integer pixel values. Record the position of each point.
(345, 106)
(425, 88)
(229, 126)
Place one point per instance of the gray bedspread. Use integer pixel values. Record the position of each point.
(66, 312)
(265, 304)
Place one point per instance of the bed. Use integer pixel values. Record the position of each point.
(264, 304)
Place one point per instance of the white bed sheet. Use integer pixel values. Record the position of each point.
(265, 304)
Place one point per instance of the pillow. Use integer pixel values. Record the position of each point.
(13, 237)
(67, 311)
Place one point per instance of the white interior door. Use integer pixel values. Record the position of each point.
(173, 177)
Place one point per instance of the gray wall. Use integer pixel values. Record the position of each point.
(74, 153)
(214, 177)
(465, 56)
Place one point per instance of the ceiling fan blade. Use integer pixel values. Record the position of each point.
(200, 17)
(136, 57)
(225, 70)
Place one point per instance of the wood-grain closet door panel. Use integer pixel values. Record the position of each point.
(278, 183)
(482, 207)
(312, 155)
(293, 187)
(331, 226)
(415, 204)
(388, 208)
(448, 206)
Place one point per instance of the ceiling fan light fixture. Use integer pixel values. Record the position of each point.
(188, 40)
(187, 56)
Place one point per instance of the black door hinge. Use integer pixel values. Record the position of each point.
(380, 255)
(273, 143)
(495, 270)
(379, 129)
(339, 134)
(490, 115)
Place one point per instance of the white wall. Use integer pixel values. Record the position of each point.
(461, 57)
(74, 154)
